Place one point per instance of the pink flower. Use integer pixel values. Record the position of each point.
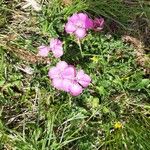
(61, 76)
(83, 79)
(56, 47)
(43, 51)
(56, 72)
(78, 24)
(65, 77)
(75, 89)
(98, 24)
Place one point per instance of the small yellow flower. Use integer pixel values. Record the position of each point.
(95, 59)
(118, 125)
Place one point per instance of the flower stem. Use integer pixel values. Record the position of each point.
(79, 43)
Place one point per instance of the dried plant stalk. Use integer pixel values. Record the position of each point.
(67, 2)
(27, 56)
(23, 54)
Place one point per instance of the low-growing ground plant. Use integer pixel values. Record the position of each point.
(67, 82)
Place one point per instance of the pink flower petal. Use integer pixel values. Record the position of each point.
(89, 23)
(62, 65)
(75, 89)
(66, 85)
(69, 73)
(80, 73)
(98, 24)
(79, 24)
(43, 51)
(54, 72)
(57, 83)
(70, 28)
(73, 18)
(80, 33)
(83, 16)
(83, 78)
(85, 81)
(57, 53)
(59, 42)
(54, 43)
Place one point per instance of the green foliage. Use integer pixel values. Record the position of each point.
(52, 18)
(35, 116)
(121, 12)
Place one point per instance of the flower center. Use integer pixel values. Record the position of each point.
(79, 24)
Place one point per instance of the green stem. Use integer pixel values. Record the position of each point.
(80, 47)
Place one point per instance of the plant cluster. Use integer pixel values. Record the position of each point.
(65, 77)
